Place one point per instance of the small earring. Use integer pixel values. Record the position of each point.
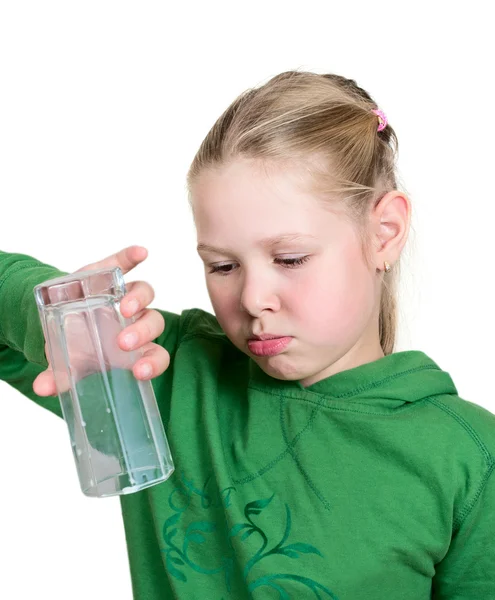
(388, 268)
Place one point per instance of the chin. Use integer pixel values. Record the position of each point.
(278, 368)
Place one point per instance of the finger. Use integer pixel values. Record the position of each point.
(152, 354)
(144, 330)
(140, 292)
(126, 259)
(44, 384)
(156, 357)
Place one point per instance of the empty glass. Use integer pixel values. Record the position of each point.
(117, 435)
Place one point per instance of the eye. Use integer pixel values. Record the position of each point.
(220, 269)
(293, 262)
(288, 263)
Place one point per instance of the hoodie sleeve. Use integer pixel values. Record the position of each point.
(20, 325)
(22, 343)
(468, 569)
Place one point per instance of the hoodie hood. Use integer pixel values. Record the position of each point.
(389, 382)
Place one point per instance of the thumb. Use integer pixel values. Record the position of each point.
(44, 384)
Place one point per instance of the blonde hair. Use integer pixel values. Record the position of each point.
(325, 122)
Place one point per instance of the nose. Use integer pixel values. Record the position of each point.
(258, 294)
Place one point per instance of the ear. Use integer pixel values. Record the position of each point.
(390, 220)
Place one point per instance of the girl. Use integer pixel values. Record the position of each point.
(311, 460)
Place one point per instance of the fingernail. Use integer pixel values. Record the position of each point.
(144, 370)
(130, 340)
(133, 305)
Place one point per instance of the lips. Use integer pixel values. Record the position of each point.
(268, 346)
(266, 336)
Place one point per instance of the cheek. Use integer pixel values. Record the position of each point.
(338, 305)
(224, 305)
(218, 299)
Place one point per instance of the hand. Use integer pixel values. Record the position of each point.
(148, 323)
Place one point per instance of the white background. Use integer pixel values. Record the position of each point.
(102, 108)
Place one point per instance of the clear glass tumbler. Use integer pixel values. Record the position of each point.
(117, 435)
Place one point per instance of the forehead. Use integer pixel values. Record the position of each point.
(250, 198)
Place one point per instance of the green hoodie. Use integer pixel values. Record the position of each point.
(375, 483)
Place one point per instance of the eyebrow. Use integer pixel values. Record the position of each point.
(269, 242)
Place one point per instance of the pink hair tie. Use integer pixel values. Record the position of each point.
(382, 119)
